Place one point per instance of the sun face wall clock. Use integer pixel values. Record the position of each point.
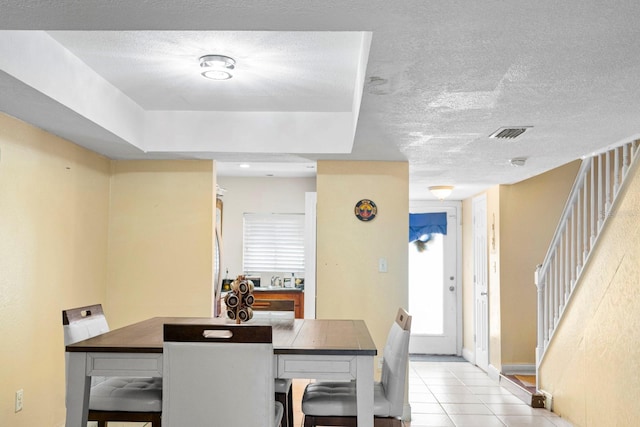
(365, 210)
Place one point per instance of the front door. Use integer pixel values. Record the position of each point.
(433, 289)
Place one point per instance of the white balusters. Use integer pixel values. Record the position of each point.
(600, 179)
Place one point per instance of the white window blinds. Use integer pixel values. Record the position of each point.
(273, 243)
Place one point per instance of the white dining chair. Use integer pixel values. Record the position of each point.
(328, 403)
(219, 375)
(285, 310)
(114, 398)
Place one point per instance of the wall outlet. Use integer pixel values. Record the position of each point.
(19, 397)
(382, 265)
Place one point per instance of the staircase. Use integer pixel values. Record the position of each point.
(590, 203)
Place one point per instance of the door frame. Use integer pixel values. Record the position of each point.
(310, 239)
(477, 329)
(415, 205)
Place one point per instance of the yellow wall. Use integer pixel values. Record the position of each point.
(495, 289)
(590, 367)
(160, 240)
(77, 229)
(529, 214)
(521, 220)
(54, 204)
(348, 282)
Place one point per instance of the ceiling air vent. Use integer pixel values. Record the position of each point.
(509, 133)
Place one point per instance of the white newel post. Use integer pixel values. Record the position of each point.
(541, 315)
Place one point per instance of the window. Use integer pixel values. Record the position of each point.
(273, 243)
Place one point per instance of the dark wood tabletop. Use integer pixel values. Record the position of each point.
(290, 336)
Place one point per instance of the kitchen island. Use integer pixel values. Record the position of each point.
(281, 293)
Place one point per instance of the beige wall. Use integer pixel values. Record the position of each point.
(256, 195)
(348, 282)
(77, 229)
(160, 240)
(54, 204)
(521, 220)
(495, 290)
(529, 214)
(590, 367)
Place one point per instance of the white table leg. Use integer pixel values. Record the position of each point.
(78, 387)
(364, 391)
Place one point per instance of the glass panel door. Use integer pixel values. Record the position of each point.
(426, 271)
(433, 289)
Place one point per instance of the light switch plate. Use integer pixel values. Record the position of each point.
(19, 397)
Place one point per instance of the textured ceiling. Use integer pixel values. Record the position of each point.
(420, 81)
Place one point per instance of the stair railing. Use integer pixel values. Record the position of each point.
(588, 207)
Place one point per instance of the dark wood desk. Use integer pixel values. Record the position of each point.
(303, 348)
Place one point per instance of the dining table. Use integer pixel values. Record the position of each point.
(322, 349)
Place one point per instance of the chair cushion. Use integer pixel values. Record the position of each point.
(279, 412)
(282, 385)
(127, 394)
(328, 398)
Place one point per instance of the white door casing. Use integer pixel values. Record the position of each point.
(480, 282)
(310, 200)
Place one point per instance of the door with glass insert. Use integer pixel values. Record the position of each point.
(433, 288)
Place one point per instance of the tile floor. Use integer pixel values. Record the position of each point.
(453, 394)
(458, 394)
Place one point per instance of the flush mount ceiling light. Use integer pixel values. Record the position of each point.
(518, 161)
(441, 191)
(217, 67)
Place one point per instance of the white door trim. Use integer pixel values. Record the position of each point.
(310, 208)
(481, 335)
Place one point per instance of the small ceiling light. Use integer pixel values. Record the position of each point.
(245, 165)
(518, 161)
(217, 67)
(441, 191)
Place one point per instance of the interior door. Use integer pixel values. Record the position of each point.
(480, 281)
(433, 289)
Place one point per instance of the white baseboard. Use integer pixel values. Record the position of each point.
(493, 373)
(522, 369)
(469, 355)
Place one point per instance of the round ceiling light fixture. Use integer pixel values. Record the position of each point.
(441, 191)
(518, 161)
(217, 67)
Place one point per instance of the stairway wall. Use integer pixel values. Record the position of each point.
(590, 367)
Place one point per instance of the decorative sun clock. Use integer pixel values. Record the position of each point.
(365, 210)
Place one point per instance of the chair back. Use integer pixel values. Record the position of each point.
(80, 324)
(218, 375)
(83, 322)
(395, 360)
(274, 309)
